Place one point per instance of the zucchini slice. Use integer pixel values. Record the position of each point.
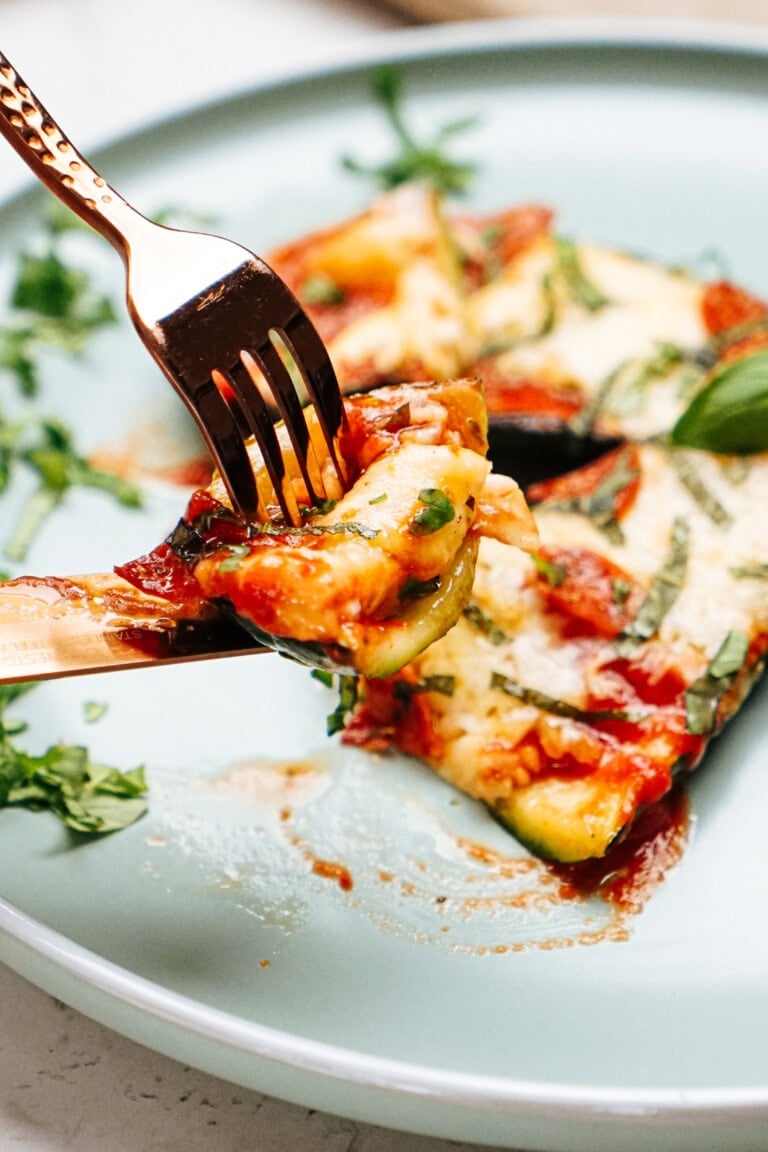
(566, 820)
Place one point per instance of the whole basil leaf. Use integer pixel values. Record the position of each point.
(730, 414)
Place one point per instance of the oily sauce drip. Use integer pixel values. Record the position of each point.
(631, 871)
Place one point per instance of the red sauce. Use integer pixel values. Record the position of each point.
(586, 480)
(635, 867)
(161, 573)
(502, 237)
(725, 306)
(593, 594)
(334, 871)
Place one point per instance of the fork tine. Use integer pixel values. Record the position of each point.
(311, 358)
(253, 414)
(224, 437)
(278, 378)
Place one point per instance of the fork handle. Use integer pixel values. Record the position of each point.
(36, 136)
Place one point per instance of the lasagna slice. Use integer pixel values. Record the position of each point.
(572, 340)
(366, 582)
(597, 341)
(581, 679)
(386, 292)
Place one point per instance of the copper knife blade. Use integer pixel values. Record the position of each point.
(74, 625)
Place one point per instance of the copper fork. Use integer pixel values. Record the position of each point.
(216, 319)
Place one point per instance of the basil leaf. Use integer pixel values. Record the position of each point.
(691, 480)
(554, 574)
(405, 691)
(557, 707)
(704, 695)
(750, 572)
(347, 700)
(730, 414)
(474, 614)
(664, 590)
(581, 288)
(88, 797)
(321, 289)
(436, 513)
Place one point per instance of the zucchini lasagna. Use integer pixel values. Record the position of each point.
(581, 680)
(365, 583)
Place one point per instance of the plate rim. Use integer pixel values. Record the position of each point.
(560, 1101)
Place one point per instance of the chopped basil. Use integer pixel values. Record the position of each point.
(413, 161)
(554, 574)
(45, 446)
(599, 505)
(474, 614)
(235, 554)
(343, 528)
(622, 389)
(557, 707)
(413, 589)
(730, 414)
(750, 572)
(404, 691)
(347, 688)
(88, 797)
(321, 289)
(51, 305)
(436, 513)
(581, 288)
(620, 591)
(704, 695)
(691, 480)
(93, 710)
(378, 499)
(664, 590)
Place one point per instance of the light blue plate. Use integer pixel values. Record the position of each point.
(442, 994)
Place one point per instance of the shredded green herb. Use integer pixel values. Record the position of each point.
(690, 478)
(321, 289)
(413, 161)
(93, 710)
(347, 689)
(620, 591)
(46, 447)
(88, 797)
(413, 589)
(51, 305)
(599, 505)
(623, 389)
(436, 513)
(444, 685)
(750, 572)
(664, 590)
(704, 695)
(557, 707)
(581, 288)
(474, 614)
(554, 574)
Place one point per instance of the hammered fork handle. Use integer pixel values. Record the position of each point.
(40, 142)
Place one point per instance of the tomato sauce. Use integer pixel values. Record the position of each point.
(633, 869)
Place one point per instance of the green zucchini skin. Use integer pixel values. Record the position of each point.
(387, 646)
(566, 821)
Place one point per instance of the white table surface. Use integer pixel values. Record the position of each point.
(65, 1081)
